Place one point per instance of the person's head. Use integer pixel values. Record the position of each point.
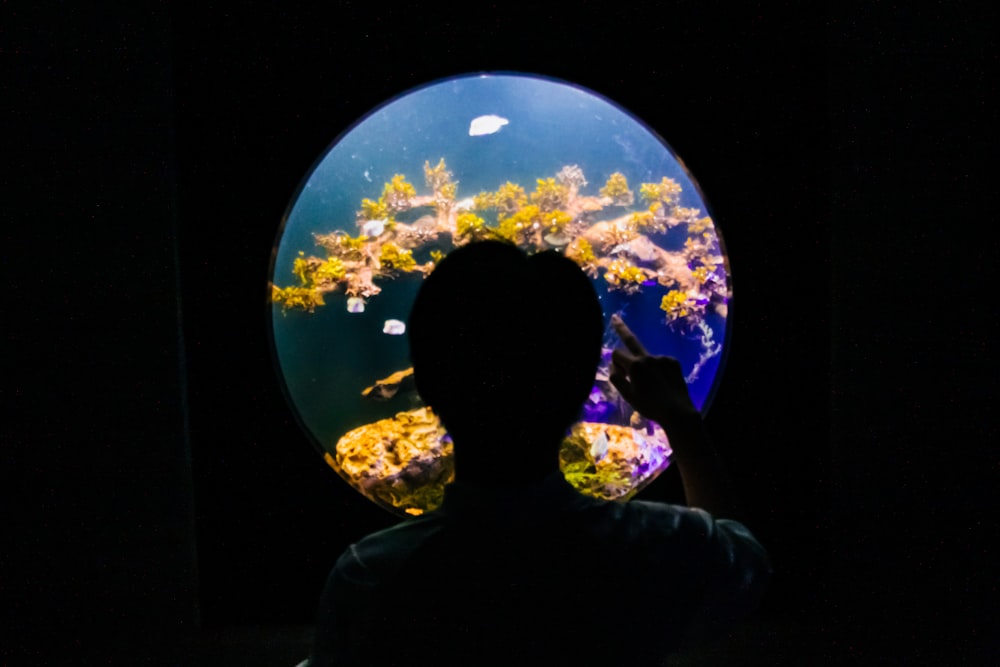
(504, 349)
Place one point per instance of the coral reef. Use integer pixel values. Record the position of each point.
(616, 190)
(403, 462)
(612, 462)
(555, 215)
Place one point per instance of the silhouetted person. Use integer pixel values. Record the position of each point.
(517, 567)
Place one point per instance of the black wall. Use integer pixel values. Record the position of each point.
(153, 154)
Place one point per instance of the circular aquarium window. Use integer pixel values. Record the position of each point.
(541, 163)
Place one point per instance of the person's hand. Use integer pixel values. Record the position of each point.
(653, 385)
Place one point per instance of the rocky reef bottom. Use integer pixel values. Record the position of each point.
(404, 462)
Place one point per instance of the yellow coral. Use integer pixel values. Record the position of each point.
(701, 225)
(374, 210)
(685, 214)
(556, 220)
(509, 198)
(616, 189)
(641, 219)
(436, 177)
(397, 193)
(467, 223)
(304, 298)
(393, 257)
(331, 270)
(352, 242)
(582, 252)
(549, 195)
(484, 201)
(675, 304)
(702, 273)
(447, 191)
(665, 191)
(300, 267)
(621, 274)
(511, 227)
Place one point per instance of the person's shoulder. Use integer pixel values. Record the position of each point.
(650, 526)
(380, 551)
(639, 518)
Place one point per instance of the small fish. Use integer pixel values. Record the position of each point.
(394, 328)
(373, 228)
(368, 176)
(489, 124)
(355, 304)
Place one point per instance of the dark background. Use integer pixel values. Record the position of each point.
(156, 487)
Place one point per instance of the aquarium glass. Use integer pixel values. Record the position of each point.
(541, 163)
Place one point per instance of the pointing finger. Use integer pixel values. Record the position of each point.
(622, 360)
(628, 338)
(620, 382)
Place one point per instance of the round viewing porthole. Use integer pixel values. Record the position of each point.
(538, 162)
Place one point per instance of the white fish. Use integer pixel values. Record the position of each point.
(394, 328)
(368, 176)
(355, 304)
(599, 448)
(373, 228)
(488, 124)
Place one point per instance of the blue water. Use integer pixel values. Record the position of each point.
(327, 357)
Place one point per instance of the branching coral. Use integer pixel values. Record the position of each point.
(676, 304)
(701, 274)
(314, 272)
(301, 269)
(685, 215)
(555, 215)
(701, 225)
(302, 298)
(329, 272)
(468, 224)
(556, 221)
(624, 275)
(373, 210)
(616, 189)
(352, 245)
(484, 201)
(436, 177)
(530, 226)
(397, 194)
(339, 244)
(447, 192)
(549, 195)
(581, 252)
(623, 248)
(572, 177)
(517, 226)
(509, 198)
(392, 257)
(642, 220)
(666, 191)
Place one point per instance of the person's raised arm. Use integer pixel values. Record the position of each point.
(655, 386)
